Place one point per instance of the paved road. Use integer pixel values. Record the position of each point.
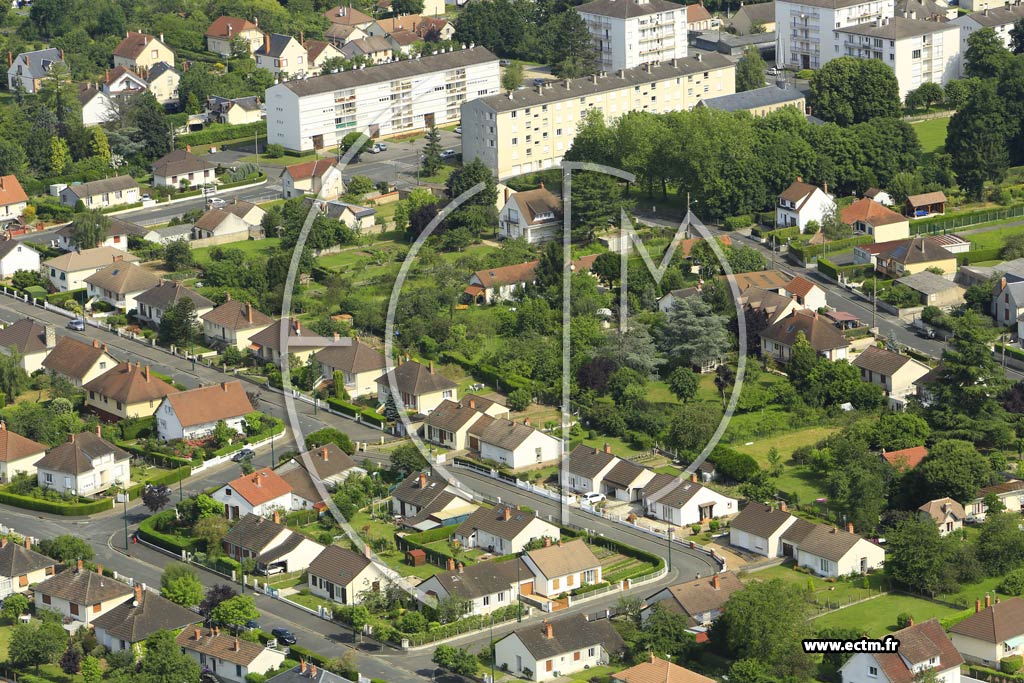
(399, 165)
(162, 213)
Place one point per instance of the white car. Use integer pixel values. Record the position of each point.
(592, 498)
(217, 202)
(448, 154)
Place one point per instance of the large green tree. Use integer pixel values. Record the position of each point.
(597, 201)
(969, 377)
(572, 50)
(848, 90)
(88, 229)
(180, 324)
(165, 662)
(180, 584)
(986, 56)
(693, 334)
(234, 612)
(36, 643)
(750, 70)
(916, 555)
(977, 138)
(953, 468)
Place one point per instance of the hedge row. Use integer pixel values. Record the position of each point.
(276, 430)
(147, 532)
(962, 219)
(120, 207)
(1011, 351)
(352, 410)
(738, 222)
(488, 374)
(258, 178)
(55, 507)
(217, 132)
(629, 551)
(805, 252)
(172, 477)
(161, 459)
(431, 535)
(978, 255)
(61, 298)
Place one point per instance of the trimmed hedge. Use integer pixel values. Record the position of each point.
(259, 177)
(805, 252)
(217, 132)
(978, 255)
(431, 535)
(629, 551)
(147, 532)
(61, 298)
(737, 222)
(827, 268)
(62, 508)
(735, 465)
(1011, 351)
(161, 459)
(345, 407)
(488, 374)
(120, 207)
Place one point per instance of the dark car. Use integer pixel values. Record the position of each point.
(283, 635)
(252, 625)
(245, 453)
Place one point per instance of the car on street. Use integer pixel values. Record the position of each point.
(539, 81)
(592, 498)
(217, 202)
(283, 635)
(78, 325)
(244, 454)
(773, 71)
(377, 148)
(458, 130)
(252, 625)
(448, 154)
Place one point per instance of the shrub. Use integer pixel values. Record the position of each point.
(275, 151)
(714, 525)
(904, 619)
(737, 222)
(1011, 665)
(1013, 583)
(733, 464)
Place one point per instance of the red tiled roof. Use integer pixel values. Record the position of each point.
(310, 169)
(133, 45)
(800, 286)
(869, 211)
(260, 487)
(219, 27)
(906, 458)
(10, 191)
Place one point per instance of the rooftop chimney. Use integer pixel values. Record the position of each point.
(472, 404)
(138, 592)
(3, 541)
(431, 367)
(693, 477)
(248, 311)
(366, 551)
(507, 514)
(451, 564)
(71, 438)
(197, 633)
(78, 565)
(977, 606)
(266, 43)
(256, 481)
(302, 666)
(323, 453)
(549, 631)
(104, 346)
(988, 600)
(783, 507)
(95, 343)
(277, 517)
(224, 386)
(799, 178)
(526, 421)
(547, 541)
(145, 373)
(238, 646)
(462, 567)
(607, 447)
(423, 480)
(849, 527)
(714, 582)
(312, 671)
(99, 431)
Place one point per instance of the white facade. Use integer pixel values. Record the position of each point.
(999, 17)
(370, 578)
(106, 471)
(623, 42)
(169, 427)
(538, 448)
(229, 671)
(805, 37)
(236, 506)
(801, 212)
(864, 668)
(96, 108)
(704, 504)
(511, 655)
(484, 604)
(318, 112)
(514, 223)
(536, 529)
(862, 557)
(96, 196)
(20, 257)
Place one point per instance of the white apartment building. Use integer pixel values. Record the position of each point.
(999, 18)
(804, 29)
(383, 100)
(530, 130)
(917, 51)
(628, 33)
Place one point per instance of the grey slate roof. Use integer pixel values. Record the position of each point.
(587, 461)
(25, 335)
(758, 519)
(828, 542)
(751, 99)
(289, 544)
(296, 675)
(416, 379)
(896, 28)
(39, 62)
(627, 9)
(159, 69)
(500, 432)
(624, 473)
(17, 560)
(121, 182)
(569, 634)
(338, 565)
(253, 532)
(759, 12)
(679, 495)
(83, 587)
(180, 161)
(492, 521)
(998, 16)
(881, 361)
(451, 416)
(75, 457)
(798, 531)
(352, 358)
(278, 44)
(169, 292)
(136, 619)
(927, 282)
(484, 578)
(410, 491)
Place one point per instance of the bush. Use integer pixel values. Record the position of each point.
(274, 151)
(1011, 665)
(904, 619)
(805, 74)
(1013, 583)
(737, 466)
(737, 222)
(217, 132)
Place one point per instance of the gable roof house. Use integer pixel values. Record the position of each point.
(498, 284)
(946, 513)
(96, 104)
(540, 652)
(260, 493)
(778, 339)
(318, 52)
(759, 528)
(330, 464)
(128, 625)
(905, 459)
(914, 256)
(425, 502)
(227, 657)
(30, 340)
(685, 502)
(13, 201)
(657, 670)
(348, 16)
(832, 552)
(270, 544)
(419, 387)
(342, 34)
(503, 530)
(486, 585)
(534, 215)
(934, 290)
(448, 424)
(560, 567)
(307, 673)
(225, 31)
(869, 217)
(193, 414)
(126, 390)
(139, 51)
(807, 293)
(80, 595)
(220, 226)
(359, 364)
(1008, 300)
(992, 633)
(801, 203)
(750, 15)
(267, 343)
(21, 567)
(516, 444)
(586, 466)
(233, 323)
(162, 80)
(923, 647)
(759, 101)
(627, 480)
(770, 305)
(342, 575)
(28, 69)
(894, 372)
(378, 49)
(180, 168)
(161, 297)
(123, 81)
(1010, 494)
(14, 255)
(700, 601)
(102, 194)
(282, 54)
(770, 280)
(236, 111)
(17, 453)
(119, 283)
(320, 178)
(78, 362)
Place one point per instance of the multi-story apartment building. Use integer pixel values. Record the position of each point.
(529, 130)
(628, 33)
(917, 51)
(1000, 19)
(383, 100)
(804, 29)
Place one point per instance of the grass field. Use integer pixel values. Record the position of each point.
(932, 134)
(878, 616)
(825, 593)
(5, 638)
(995, 239)
(786, 443)
(202, 254)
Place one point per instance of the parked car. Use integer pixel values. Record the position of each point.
(539, 81)
(377, 148)
(448, 154)
(78, 325)
(504, 62)
(773, 71)
(217, 202)
(458, 130)
(592, 498)
(283, 635)
(252, 625)
(243, 454)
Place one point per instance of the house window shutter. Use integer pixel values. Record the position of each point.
(23, 580)
(575, 656)
(549, 665)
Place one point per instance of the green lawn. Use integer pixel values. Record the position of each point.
(786, 443)
(596, 671)
(932, 134)
(305, 599)
(5, 639)
(968, 593)
(440, 177)
(878, 617)
(202, 254)
(994, 239)
(825, 593)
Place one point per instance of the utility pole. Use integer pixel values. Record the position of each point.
(874, 299)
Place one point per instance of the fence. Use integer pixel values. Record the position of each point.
(943, 224)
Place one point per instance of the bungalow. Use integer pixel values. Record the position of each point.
(226, 32)
(771, 280)
(318, 52)
(700, 601)
(193, 414)
(236, 111)
(141, 51)
(420, 495)
(102, 194)
(869, 217)
(905, 459)
(772, 306)
(285, 337)
(934, 290)
(342, 575)
(1010, 494)
(80, 596)
(116, 237)
(227, 657)
(946, 513)
(515, 444)
(801, 203)
(894, 372)
(86, 464)
(359, 364)
(808, 294)
(17, 454)
(160, 298)
(342, 34)
(128, 625)
(498, 284)
(913, 256)
(281, 54)
(28, 69)
(305, 495)
(96, 105)
(233, 323)
(348, 16)
(418, 386)
(685, 502)
(626, 481)
(30, 340)
(656, 669)
(586, 467)
(759, 529)
(251, 213)
(21, 567)
(270, 544)
(927, 204)
(831, 552)
(541, 652)
(448, 424)
(13, 201)
(880, 196)
(778, 339)
(533, 215)
(503, 530)
(126, 390)
(119, 283)
(355, 217)
(759, 101)
(487, 585)
(559, 568)
(261, 493)
(991, 634)
(222, 224)
(78, 362)
(180, 169)
(307, 673)
(320, 178)
(925, 649)
(331, 465)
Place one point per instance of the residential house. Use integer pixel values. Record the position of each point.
(233, 323)
(95, 103)
(153, 303)
(102, 194)
(905, 459)
(194, 414)
(515, 444)
(417, 386)
(123, 81)
(282, 55)
(229, 658)
(831, 552)
(394, 24)
(586, 467)
(684, 502)
(331, 465)
(561, 567)
(116, 237)
(359, 364)
(17, 454)
(627, 481)
(533, 215)
(869, 217)
(162, 80)
(30, 340)
(320, 178)
(16, 256)
(1000, 17)
(801, 203)
(126, 390)
(225, 32)
(880, 196)
(770, 305)
(80, 596)
(503, 530)
(261, 493)
(21, 567)
(119, 283)
(270, 544)
(236, 111)
(778, 339)
(318, 52)
(348, 16)
(498, 284)
(222, 224)
(947, 514)
(992, 633)
(13, 201)
(923, 648)
(342, 575)
(913, 256)
(808, 294)
(698, 18)
(541, 652)
(770, 280)
(934, 290)
(1010, 494)
(894, 372)
(927, 204)
(435, 28)
(629, 34)
(252, 214)
(342, 34)
(140, 51)
(926, 9)
(78, 362)
(448, 424)
(754, 15)
(1008, 300)
(701, 601)
(307, 673)
(487, 585)
(419, 496)
(28, 69)
(668, 301)
(181, 169)
(127, 626)
(759, 101)
(657, 670)
(401, 41)
(358, 218)
(285, 337)
(759, 529)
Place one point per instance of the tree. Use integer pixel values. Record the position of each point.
(432, 162)
(330, 435)
(13, 378)
(969, 378)
(456, 660)
(512, 76)
(977, 139)
(926, 95)
(60, 156)
(472, 173)
(36, 643)
(156, 498)
(1000, 543)
(683, 383)
(89, 229)
(66, 548)
(180, 324)
(597, 201)
(406, 459)
(572, 50)
(12, 158)
(91, 671)
(904, 184)
(664, 633)
(953, 468)
(215, 595)
(234, 612)
(1017, 37)
(986, 55)
(916, 555)
(71, 660)
(211, 531)
(832, 225)
(750, 70)
(180, 584)
(520, 399)
(364, 143)
(178, 255)
(849, 90)
(693, 334)
(165, 662)
(693, 426)
(15, 605)
(358, 186)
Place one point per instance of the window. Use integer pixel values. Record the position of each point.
(96, 608)
(591, 651)
(46, 599)
(823, 564)
(238, 667)
(48, 477)
(576, 656)
(515, 141)
(487, 600)
(555, 584)
(501, 597)
(74, 608)
(873, 671)
(916, 54)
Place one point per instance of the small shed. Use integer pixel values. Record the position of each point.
(415, 557)
(927, 204)
(934, 290)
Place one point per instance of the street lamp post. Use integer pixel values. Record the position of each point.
(670, 548)
(273, 455)
(180, 496)
(492, 648)
(124, 500)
